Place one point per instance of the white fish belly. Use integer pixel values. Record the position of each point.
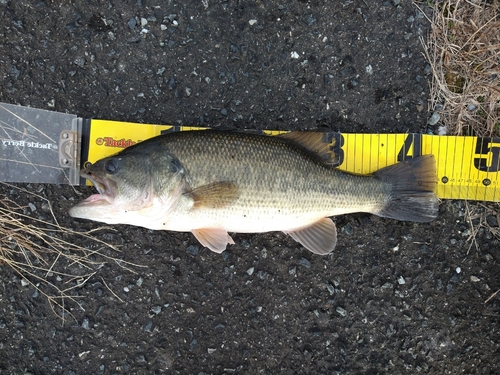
(252, 221)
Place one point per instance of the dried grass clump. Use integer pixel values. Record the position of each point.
(48, 256)
(463, 49)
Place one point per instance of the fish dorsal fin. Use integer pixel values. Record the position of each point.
(319, 237)
(216, 239)
(214, 195)
(320, 143)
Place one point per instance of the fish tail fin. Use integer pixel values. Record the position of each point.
(412, 195)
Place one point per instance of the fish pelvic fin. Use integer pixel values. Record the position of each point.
(412, 195)
(215, 239)
(319, 238)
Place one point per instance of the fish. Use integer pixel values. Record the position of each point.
(212, 183)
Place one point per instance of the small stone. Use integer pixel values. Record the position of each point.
(474, 279)
(14, 72)
(144, 22)
(466, 233)
(434, 119)
(263, 253)
(85, 323)
(147, 327)
(211, 350)
(250, 271)
(80, 61)
(458, 270)
(171, 17)
(401, 280)
(24, 282)
(341, 311)
(347, 229)
(369, 69)
(471, 107)
(132, 23)
(171, 83)
(192, 249)
(310, 19)
(262, 275)
(156, 309)
(294, 55)
(193, 345)
(331, 289)
(304, 262)
(252, 22)
(442, 130)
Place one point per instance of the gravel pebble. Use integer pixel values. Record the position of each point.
(434, 119)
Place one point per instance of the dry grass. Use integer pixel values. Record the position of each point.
(463, 49)
(47, 256)
(477, 218)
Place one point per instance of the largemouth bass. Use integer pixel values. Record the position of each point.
(210, 183)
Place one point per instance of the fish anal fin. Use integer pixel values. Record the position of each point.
(320, 143)
(214, 195)
(216, 239)
(319, 237)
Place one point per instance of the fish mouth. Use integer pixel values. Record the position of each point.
(100, 206)
(105, 193)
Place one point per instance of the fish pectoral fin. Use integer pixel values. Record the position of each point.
(214, 195)
(215, 239)
(319, 238)
(320, 143)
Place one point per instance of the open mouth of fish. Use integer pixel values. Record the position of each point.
(104, 193)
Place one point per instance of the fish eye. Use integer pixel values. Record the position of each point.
(111, 166)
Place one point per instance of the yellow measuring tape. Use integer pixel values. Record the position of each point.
(467, 167)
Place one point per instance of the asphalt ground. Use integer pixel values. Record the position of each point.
(394, 297)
